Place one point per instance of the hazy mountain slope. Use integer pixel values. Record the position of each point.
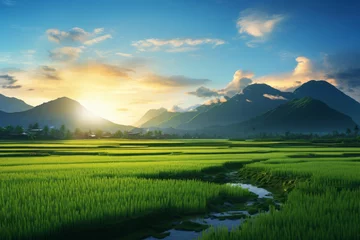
(178, 119)
(255, 100)
(173, 120)
(156, 121)
(149, 115)
(60, 111)
(10, 104)
(330, 95)
(299, 115)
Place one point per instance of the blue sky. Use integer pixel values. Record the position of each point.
(120, 58)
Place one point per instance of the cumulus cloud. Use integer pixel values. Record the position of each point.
(257, 25)
(8, 81)
(177, 108)
(241, 80)
(204, 92)
(175, 45)
(304, 71)
(65, 54)
(154, 80)
(97, 40)
(216, 100)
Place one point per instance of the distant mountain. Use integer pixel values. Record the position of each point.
(256, 99)
(330, 95)
(177, 119)
(305, 115)
(149, 115)
(156, 121)
(169, 119)
(60, 111)
(10, 104)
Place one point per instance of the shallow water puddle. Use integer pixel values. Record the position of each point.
(261, 192)
(217, 219)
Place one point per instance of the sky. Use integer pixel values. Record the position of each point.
(122, 58)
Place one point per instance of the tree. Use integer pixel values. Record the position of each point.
(19, 129)
(36, 126)
(157, 133)
(68, 134)
(118, 134)
(356, 130)
(46, 130)
(78, 133)
(149, 134)
(348, 131)
(62, 131)
(99, 133)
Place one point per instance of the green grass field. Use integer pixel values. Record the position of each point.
(124, 189)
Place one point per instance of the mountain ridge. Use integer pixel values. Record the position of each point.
(12, 104)
(58, 112)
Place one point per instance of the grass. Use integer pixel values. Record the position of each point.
(114, 188)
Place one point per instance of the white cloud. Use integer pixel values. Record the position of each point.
(98, 39)
(273, 97)
(65, 54)
(304, 71)
(124, 54)
(215, 101)
(241, 79)
(75, 34)
(174, 45)
(257, 25)
(98, 30)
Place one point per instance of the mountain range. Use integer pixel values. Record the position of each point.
(305, 115)
(255, 100)
(58, 112)
(316, 106)
(9, 104)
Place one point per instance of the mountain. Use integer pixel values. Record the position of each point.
(305, 115)
(330, 95)
(152, 113)
(174, 119)
(60, 111)
(255, 99)
(10, 104)
(156, 121)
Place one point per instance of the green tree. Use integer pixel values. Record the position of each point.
(19, 129)
(68, 134)
(149, 134)
(348, 131)
(78, 133)
(62, 131)
(118, 134)
(99, 133)
(356, 130)
(46, 130)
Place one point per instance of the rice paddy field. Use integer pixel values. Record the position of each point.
(130, 189)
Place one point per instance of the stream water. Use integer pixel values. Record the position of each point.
(217, 219)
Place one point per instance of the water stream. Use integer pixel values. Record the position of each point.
(217, 219)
